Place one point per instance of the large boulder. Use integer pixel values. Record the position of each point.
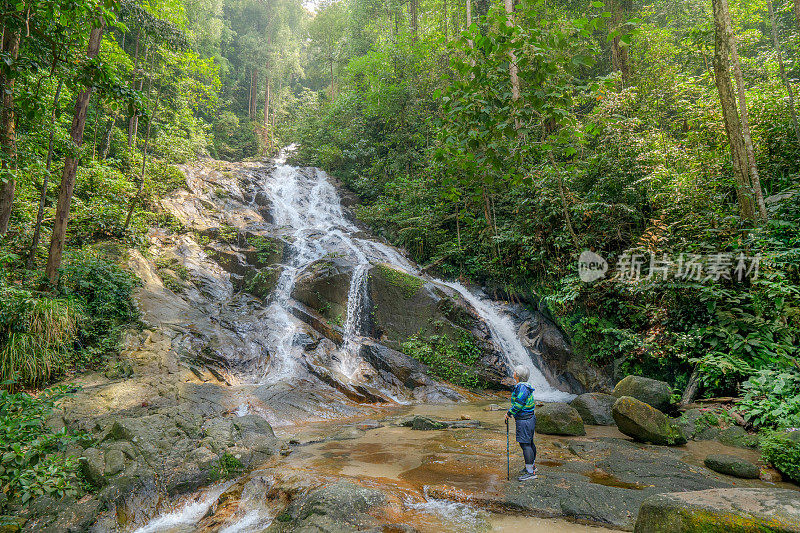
(644, 423)
(324, 287)
(721, 510)
(558, 419)
(595, 408)
(650, 391)
(731, 465)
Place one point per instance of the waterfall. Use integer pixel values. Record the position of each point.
(504, 335)
(307, 211)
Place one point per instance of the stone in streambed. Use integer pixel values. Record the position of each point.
(655, 393)
(737, 437)
(423, 423)
(645, 423)
(558, 419)
(732, 466)
(595, 408)
(721, 510)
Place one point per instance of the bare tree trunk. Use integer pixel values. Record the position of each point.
(37, 230)
(266, 100)
(8, 135)
(727, 99)
(253, 94)
(107, 137)
(333, 82)
(784, 77)
(564, 206)
(619, 53)
(512, 63)
(797, 13)
(133, 84)
(755, 180)
(135, 199)
(413, 7)
(692, 388)
(71, 164)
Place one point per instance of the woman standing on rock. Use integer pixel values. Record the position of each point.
(522, 409)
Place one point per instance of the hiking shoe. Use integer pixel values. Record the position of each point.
(525, 471)
(527, 476)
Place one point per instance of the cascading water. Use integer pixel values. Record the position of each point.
(504, 335)
(307, 208)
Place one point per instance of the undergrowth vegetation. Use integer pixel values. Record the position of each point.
(453, 360)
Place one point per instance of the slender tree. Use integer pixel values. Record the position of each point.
(782, 68)
(755, 180)
(11, 39)
(733, 125)
(71, 162)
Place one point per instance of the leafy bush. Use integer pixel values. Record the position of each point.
(104, 291)
(226, 467)
(30, 460)
(454, 362)
(36, 335)
(782, 450)
(772, 399)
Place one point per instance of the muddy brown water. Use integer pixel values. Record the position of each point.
(431, 478)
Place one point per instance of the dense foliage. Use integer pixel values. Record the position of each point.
(606, 134)
(33, 458)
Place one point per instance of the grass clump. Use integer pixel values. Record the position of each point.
(226, 467)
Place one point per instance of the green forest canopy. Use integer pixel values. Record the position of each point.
(494, 141)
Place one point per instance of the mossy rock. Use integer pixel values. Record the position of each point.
(731, 465)
(645, 423)
(408, 284)
(559, 419)
(324, 287)
(657, 394)
(721, 511)
(261, 283)
(595, 408)
(737, 437)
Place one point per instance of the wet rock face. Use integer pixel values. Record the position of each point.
(558, 419)
(655, 393)
(595, 408)
(732, 466)
(340, 507)
(645, 423)
(553, 351)
(324, 287)
(729, 510)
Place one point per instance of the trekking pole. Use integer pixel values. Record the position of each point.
(508, 454)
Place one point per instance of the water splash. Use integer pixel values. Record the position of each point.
(188, 514)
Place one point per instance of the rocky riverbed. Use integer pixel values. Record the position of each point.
(266, 391)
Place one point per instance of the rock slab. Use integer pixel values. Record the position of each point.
(721, 510)
(645, 423)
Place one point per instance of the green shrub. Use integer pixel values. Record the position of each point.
(451, 361)
(782, 450)
(30, 462)
(772, 399)
(104, 291)
(226, 467)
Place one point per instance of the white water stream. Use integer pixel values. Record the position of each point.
(307, 208)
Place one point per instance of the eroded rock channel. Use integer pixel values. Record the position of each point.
(268, 390)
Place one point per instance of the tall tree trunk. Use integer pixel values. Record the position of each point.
(733, 126)
(8, 135)
(755, 180)
(135, 199)
(37, 230)
(333, 82)
(619, 54)
(71, 164)
(107, 137)
(797, 13)
(512, 61)
(413, 7)
(469, 13)
(133, 84)
(253, 94)
(784, 77)
(266, 100)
